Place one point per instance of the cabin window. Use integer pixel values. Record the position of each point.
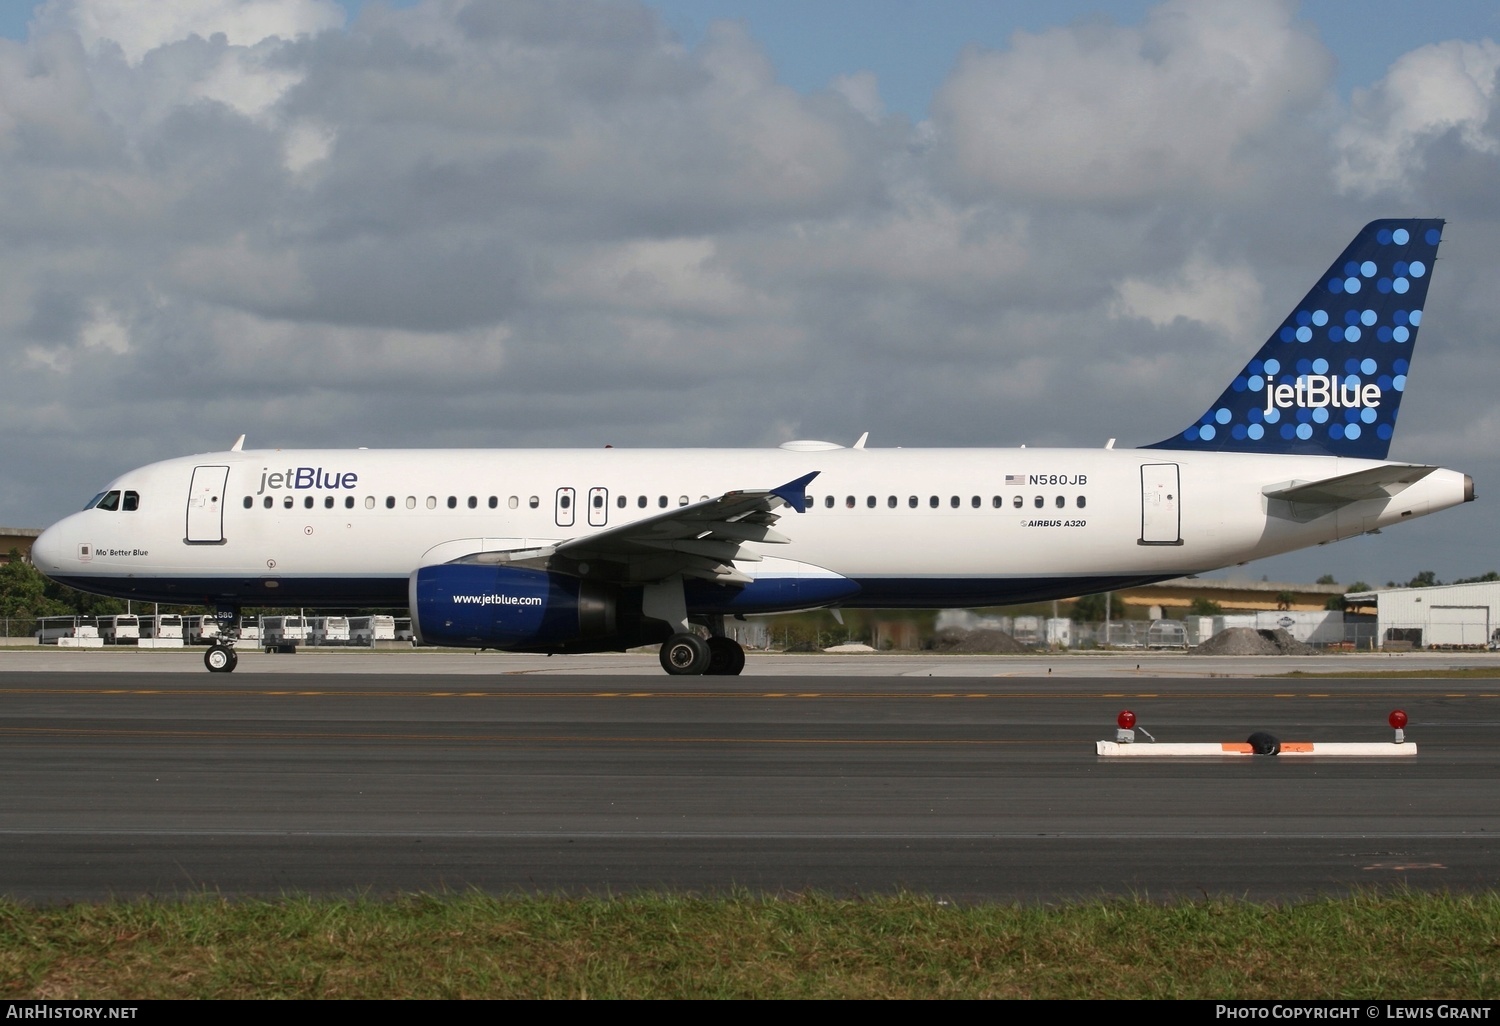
(953, 502)
(849, 502)
(249, 502)
(1018, 502)
(390, 502)
(1061, 502)
(453, 502)
(890, 502)
(564, 501)
(828, 502)
(1039, 502)
(533, 502)
(307, 503)
(933, 502)
(682, 500)
(997, 502)
(1082, 502)
(912, 501)
(287, 502)
(598, 502)
(514, 502)
(494, 502)
(268, 502)
(348, 502)
(110, 501)
(661, 501)
(641, 501)
(619, 502)
(328, 502)
(974, 502)
(411, 502)
(132, 502)
(369, 502)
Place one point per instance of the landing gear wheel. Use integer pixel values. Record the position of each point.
(725, 657)
(685, 655)
(220, 659)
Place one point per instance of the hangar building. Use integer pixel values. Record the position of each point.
(1445, 616)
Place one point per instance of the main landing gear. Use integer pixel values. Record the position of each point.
(685, 655)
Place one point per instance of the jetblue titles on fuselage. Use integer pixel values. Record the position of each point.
(302, 478)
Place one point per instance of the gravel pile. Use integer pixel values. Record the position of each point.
(986, 642)
(1242, 641)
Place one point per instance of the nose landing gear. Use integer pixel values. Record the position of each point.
(220, 658)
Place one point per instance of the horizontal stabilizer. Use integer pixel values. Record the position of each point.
(1309, 499)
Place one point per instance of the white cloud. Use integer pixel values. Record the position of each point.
(1099, 113)
(1225, 298)
(1432, 90)
(245, 81)
(105, 331)
(140, 27)
(862, 90)
(666, 275)
(307, 144)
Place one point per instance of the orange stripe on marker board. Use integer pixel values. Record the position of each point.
(1296, 746)
(1237, 746)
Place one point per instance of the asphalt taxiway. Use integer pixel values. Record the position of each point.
(128, 776)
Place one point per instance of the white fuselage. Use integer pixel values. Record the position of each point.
(914, 527)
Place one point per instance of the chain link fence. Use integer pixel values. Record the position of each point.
(172, 631)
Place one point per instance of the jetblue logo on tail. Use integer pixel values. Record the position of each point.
(1330, 380)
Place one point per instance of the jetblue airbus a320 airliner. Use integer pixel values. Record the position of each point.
(593, 550)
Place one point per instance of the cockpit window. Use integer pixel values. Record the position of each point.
(132, 502)
(110, 501)
(94, 501)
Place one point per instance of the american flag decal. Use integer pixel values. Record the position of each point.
(1015, 479)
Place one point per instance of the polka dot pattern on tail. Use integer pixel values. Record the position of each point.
(1330, 378)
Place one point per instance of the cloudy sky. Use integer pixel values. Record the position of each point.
(580, 222)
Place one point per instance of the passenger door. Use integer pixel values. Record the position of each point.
(1161, 510)
(205, 508)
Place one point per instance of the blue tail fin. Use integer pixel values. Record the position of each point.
(1329, 381)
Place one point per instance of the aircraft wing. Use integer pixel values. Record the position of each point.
(699, 540)
(1309, 499)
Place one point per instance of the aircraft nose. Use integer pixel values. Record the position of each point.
(50, 548)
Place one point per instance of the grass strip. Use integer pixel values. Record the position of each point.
(1371, 946)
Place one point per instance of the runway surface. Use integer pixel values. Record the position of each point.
(119, 783)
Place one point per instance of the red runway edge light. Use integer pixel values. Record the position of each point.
(1397, 720)
(1126, 719)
